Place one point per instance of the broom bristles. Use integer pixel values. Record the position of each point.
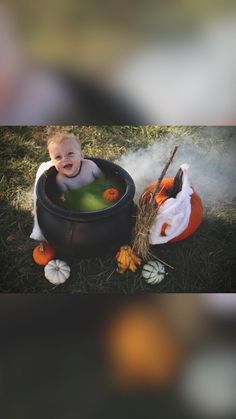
(146, 215)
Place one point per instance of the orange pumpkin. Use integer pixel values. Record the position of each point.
(196, 208)
(111, 194)
(141, 348)
(43, 253)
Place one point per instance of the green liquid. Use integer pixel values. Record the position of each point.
(90, 197)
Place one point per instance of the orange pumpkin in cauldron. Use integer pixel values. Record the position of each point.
(111, 194)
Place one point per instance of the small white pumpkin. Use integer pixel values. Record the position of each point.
(153, 272)
(57, 271)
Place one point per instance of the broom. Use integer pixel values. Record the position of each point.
(146, 215)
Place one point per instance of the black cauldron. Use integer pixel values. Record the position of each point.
(91, 233)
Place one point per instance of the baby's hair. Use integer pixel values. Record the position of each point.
(61, 137)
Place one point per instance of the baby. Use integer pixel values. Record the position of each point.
(73, 170)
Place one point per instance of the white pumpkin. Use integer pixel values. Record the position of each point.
(153, 272)
(57, 271)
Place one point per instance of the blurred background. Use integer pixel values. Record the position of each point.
(153, 62)
(106, 356)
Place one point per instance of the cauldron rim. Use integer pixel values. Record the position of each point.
(73, 215)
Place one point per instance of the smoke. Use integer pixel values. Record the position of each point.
(211, 159)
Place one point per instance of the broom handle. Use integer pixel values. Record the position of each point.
(164, 172)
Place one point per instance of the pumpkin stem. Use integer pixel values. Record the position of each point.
(41, 246)
(164, 172)
(177, 185)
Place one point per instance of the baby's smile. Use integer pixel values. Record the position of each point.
(68, 169)
(67, 166)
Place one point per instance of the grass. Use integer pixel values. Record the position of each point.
(205, 262)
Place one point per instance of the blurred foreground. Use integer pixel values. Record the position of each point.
(89, 357)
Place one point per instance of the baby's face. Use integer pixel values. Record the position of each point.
(66, 157)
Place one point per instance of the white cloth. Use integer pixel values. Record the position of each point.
(175, 212)
(36, 232)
